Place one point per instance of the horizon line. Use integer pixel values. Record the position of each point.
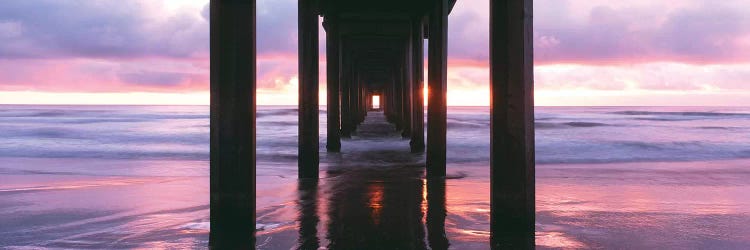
(295, 105)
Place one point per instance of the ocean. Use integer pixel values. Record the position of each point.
(114, 177)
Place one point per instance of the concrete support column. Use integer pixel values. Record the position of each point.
(367, 99)
(384, 99)
(364, 101)
(417, 135)
(398, 98)
(370, 104)
(232, 167)
(394, 101)
(391, 104)
(359, 99)
(333, 74)
(512, 124)
(406, 87)
(308, 90)
(437, 88)
(387, 100)
(346, 85)
(355, 99)
(361, 102)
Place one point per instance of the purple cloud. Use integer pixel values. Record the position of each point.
(98, 29)
(146, 48)
(152, 78)
(130, 28)
(699, 33)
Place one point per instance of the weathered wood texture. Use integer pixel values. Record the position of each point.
(346, 85)
(437, 89)
(398, 97)
(406, 88)
(232, 167)
(417, 39)
(512, 124)
(308, 90)
(333, 69)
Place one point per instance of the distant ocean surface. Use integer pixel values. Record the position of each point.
(607, 177)
(564, 135)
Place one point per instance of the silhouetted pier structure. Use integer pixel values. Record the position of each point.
(372, 48)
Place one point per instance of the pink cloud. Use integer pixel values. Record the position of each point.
(87, 75)
(123, 46)
(617, 32)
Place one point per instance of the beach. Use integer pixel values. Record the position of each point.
(607, 177)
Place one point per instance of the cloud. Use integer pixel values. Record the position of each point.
(128, 37)
(152, 78)
(697, 32)
(275, 71)
(146, 45)
(94, 75)
(276, 28)
(647, 76)
(468, 31)
(614, 32)
(206, 12)
(99, 29)
(592, 32)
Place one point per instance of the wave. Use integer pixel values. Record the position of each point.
(453, 123)
(275, 112)
(636, 151)
(585, 124)
(98, 114)
(689, 114)
(122, 154)
(551, 125)
(55, 133)
(41, 113)
(715, 128)
(39, 137)
(663, 119)
(281, 112)
(278, 123)
(634, 160)
(566, 136)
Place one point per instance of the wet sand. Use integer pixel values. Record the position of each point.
(697, 205)
(84, 210)
(664, 205)
(373, 195)
(669, 205)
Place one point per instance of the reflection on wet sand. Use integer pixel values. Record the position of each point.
(377, 209)
(374, 195)
(119, 201)
(436, 212)
(308, 214)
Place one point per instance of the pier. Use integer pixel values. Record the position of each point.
(372, 48)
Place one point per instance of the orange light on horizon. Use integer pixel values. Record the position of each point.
(376, 102)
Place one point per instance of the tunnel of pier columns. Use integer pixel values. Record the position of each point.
(372, 48)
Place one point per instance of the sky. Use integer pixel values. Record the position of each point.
(586, 52)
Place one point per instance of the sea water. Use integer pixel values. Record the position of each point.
(607, 177)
